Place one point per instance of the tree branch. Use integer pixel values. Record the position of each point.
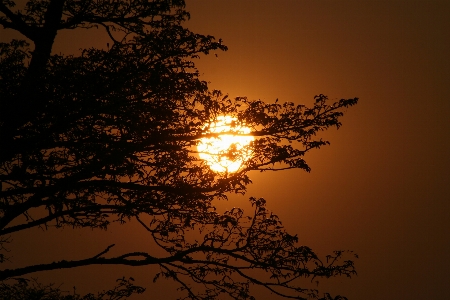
(17, 23)
(50, 217)
(95, 260)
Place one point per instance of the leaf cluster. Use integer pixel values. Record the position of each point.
(32, 289)
(238, 251)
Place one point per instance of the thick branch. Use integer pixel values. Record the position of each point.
(50, 217)
(126, 259)
(17, 23)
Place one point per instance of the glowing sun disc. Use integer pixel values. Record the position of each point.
(228, 151)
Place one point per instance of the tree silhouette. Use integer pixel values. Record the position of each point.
(111, 135)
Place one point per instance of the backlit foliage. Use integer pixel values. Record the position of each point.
(111, 135)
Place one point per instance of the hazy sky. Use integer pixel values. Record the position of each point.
(381, 189)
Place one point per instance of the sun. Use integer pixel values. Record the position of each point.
(228, 151)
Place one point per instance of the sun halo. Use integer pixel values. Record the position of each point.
(228, 151)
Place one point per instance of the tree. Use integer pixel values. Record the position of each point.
(111, 135)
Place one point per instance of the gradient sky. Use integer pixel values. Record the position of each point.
(381, 189)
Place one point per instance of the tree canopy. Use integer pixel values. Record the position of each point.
(110, 135)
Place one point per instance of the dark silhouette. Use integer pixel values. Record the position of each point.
(110, 135)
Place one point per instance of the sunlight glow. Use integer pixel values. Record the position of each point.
(228, 151)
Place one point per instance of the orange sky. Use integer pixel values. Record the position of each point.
(383, 186)
(381, 189)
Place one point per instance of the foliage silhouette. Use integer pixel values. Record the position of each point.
(31, 289)
(110, 135)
